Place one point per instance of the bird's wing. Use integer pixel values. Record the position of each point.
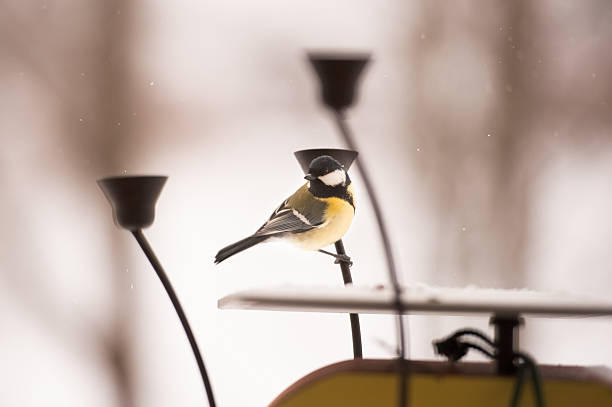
(294, 217)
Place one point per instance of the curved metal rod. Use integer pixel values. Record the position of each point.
(348, 138)
(142, 241)
(355, 327)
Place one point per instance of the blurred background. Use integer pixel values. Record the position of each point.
(486, 127)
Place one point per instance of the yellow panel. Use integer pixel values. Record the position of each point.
(379, 389)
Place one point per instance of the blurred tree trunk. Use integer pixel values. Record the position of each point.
(470, 161)
(79, 66)
(510, 194)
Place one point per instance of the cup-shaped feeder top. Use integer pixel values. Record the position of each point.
(344, 157)
(133, 199)
(338, 75)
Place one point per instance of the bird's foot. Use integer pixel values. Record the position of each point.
(343, 258)
(340, 258)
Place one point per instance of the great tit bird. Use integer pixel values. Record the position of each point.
(316, 215)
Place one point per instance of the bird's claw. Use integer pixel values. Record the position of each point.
(343, 258)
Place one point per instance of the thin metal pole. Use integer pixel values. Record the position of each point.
(142, 241)
(348, 138)
(355, 328)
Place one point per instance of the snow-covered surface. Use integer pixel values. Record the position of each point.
(416, 300)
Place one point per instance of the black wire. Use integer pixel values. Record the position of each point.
(479, 348)
(520, 379)
(473, 332)
(454, 349)
(344, 130)
(529, 363)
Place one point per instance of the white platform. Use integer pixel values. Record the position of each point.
(418, 300)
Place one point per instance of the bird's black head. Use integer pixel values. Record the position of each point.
(328, 178)
(326, 170)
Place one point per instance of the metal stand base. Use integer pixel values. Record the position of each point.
(507, 341)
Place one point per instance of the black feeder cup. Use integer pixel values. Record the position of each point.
(133, 199)
(338, 76)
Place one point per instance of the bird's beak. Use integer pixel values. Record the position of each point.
(310, 177)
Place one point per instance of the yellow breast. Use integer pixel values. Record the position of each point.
(339, 215)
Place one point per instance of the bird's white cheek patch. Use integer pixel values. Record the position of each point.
(334, 178)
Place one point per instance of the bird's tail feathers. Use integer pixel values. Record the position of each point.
(238, 247)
